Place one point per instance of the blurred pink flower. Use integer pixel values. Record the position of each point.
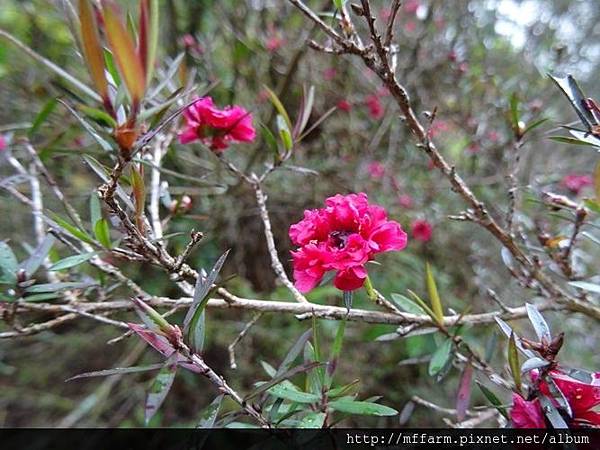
(421, 230)
(410, 26)
(376, 170)
(438, 127)
(411, 6)
(329, 73)
(216, 127)
(493, 136)
(343, 237)
(3, 143)
(274, 43)
(344, 105)
(405, 201)
(576, 182)
(374, 105)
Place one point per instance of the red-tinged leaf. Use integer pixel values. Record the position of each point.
(160, 388)
(464, 393)
(156, 341)
(92, 48)
(162, 345)
(116, 371)
(143, 34)
(124, 52)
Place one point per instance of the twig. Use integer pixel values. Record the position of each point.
(239, 337)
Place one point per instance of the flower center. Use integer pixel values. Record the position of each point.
(339, 238)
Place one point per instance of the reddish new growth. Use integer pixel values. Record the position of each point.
(575, 183)
(421, 230)
(216, 127)
(342, 237)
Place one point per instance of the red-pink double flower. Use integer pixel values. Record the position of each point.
(216, 127)
(583, 398)
(342, 237)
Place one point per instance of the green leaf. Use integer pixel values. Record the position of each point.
(95, 209)
(350, 406)
(8, 263)
(533, 125)
(193, 323)
(313, 420)
(514, 110)
(100, 117)
(573, 141)
(102, 233)
(32, 264)
(71, 261)
(406, 304)
(72, 229)
(434, 298)
(593, 205)
(151, 318)
(279, 107)
(284, 133)
(117, 371)
(288, 391)
(422, 304)
(54, 287)
(440, 357)
(42, 116)
(277, 379)
(513, 361)
(493, 399)
(210, 413)
(160, 387)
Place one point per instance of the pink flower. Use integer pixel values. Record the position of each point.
(343, 237)
(344, 105)
(438, 127)
(421, 230)
(473, 148)
(216, 127)
(576, 183)
(3, 143)
(410, 26)
(405, 201)
(274, 43)
(527, 414)
(376, 170)
(374, 106)
(583, 398)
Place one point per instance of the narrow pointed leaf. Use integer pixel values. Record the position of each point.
(102, 173)
(347, 405)
(203, 286)
(306, 367)
(279, 107)
(35, 260)
(116, 371)
(92, 48)
(42, 116)
(102, 232)
(160, 387)
(123, 48)
(71, 261)
(293, 394)
(89, 128)
(8, 262)
(507, 330)
(552, 413)
(573, 92)
(533, 363)
(434, 298)
(539, 324)
(95, 209)
(209, 415)
(464, 392)
(422, 304)
(294, 352)
(586, 286)
(151, 318)
(313, 420)
(440, 357)
(55, 287)
(72, 229)
(493, 399)
(406, 304)
(513, 361)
